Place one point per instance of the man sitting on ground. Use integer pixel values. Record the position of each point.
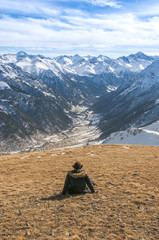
(78, 181)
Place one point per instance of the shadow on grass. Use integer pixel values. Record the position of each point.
(55, 197)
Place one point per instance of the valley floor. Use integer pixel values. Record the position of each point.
(83, 131)
(127, 206)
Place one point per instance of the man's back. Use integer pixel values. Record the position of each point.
(77, 181)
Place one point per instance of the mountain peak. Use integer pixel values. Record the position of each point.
(77, 56)
(140, 55)
(22, 54)
(124, 59)
(102, 56)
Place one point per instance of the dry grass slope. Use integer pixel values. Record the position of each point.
(127, 206)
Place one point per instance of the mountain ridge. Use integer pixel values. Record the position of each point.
(38, 93)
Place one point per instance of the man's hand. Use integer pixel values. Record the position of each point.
(97, 191)
(59, 194)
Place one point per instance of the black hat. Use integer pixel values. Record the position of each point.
(77, 165)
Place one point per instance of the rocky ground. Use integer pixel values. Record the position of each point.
(127, 206)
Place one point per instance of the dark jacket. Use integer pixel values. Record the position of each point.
(77, 181)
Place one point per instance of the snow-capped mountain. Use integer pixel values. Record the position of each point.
(50, 72)
(82, 66)
(87, 66)
(148, 135)
(32, 64)
(28, 109)
(37, 95)
(134, 104)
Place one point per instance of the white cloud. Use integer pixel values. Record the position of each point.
(104, 32)
(73, 30)
(28, 7)
(104, 3)
(145, 9)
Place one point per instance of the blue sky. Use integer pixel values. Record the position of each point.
(86, 27)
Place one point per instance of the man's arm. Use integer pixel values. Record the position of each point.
(89, 183)
(66, 185)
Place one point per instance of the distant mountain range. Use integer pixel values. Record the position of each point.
(37, 95)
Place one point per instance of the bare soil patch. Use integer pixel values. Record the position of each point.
(127, 206)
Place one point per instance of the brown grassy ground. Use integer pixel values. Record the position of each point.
(127, 206)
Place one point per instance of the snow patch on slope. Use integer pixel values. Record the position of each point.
(148, 135)
(4, 85)
(111, 88)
